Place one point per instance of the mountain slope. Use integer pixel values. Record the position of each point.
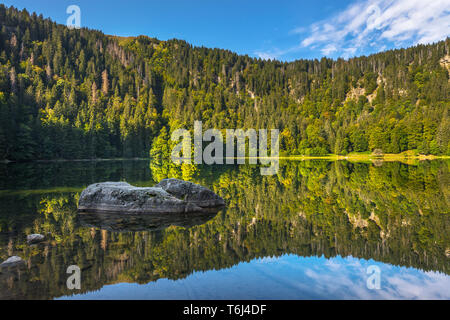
(82, 94)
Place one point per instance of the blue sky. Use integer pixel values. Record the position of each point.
(284, 30)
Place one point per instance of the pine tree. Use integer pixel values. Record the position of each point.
(105, 82)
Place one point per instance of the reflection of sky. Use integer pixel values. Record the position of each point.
(289, 277)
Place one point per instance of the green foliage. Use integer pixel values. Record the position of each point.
(81, 94)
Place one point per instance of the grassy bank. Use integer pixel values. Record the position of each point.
(403, 157)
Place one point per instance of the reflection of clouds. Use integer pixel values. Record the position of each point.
(431, 285)
(288, 277)
(267, 260)
(345, 278)
(333, 265)
(329, 283)
(293, 277)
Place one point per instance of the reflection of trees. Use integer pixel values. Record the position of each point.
(76, 174)
(394, 213)
(162, 170)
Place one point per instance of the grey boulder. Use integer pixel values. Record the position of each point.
(35, 238)
(12, 262)
(173, 196)
(191, 193)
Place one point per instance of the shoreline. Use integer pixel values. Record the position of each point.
(329, 157)
(72, 160)
(368, 157)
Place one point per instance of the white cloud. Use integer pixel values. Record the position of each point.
(275, 53)
(370, 24)
(329, 49)
(270, 55)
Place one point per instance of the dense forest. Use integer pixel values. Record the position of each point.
(78, 93)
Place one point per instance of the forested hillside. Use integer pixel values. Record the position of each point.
(82, 94)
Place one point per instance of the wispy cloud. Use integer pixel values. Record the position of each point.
(268, 55)
(276, 53)
(369, 25)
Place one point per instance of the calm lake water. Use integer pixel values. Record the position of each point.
(317, 230)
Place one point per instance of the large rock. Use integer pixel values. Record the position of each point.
(12, 262)
(35, 238)
(191, 193)
(125, 198)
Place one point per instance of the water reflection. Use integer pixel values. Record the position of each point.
(288, 277)
(394, 214)
(125, 222)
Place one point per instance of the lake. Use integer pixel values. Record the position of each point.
(316, 230)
